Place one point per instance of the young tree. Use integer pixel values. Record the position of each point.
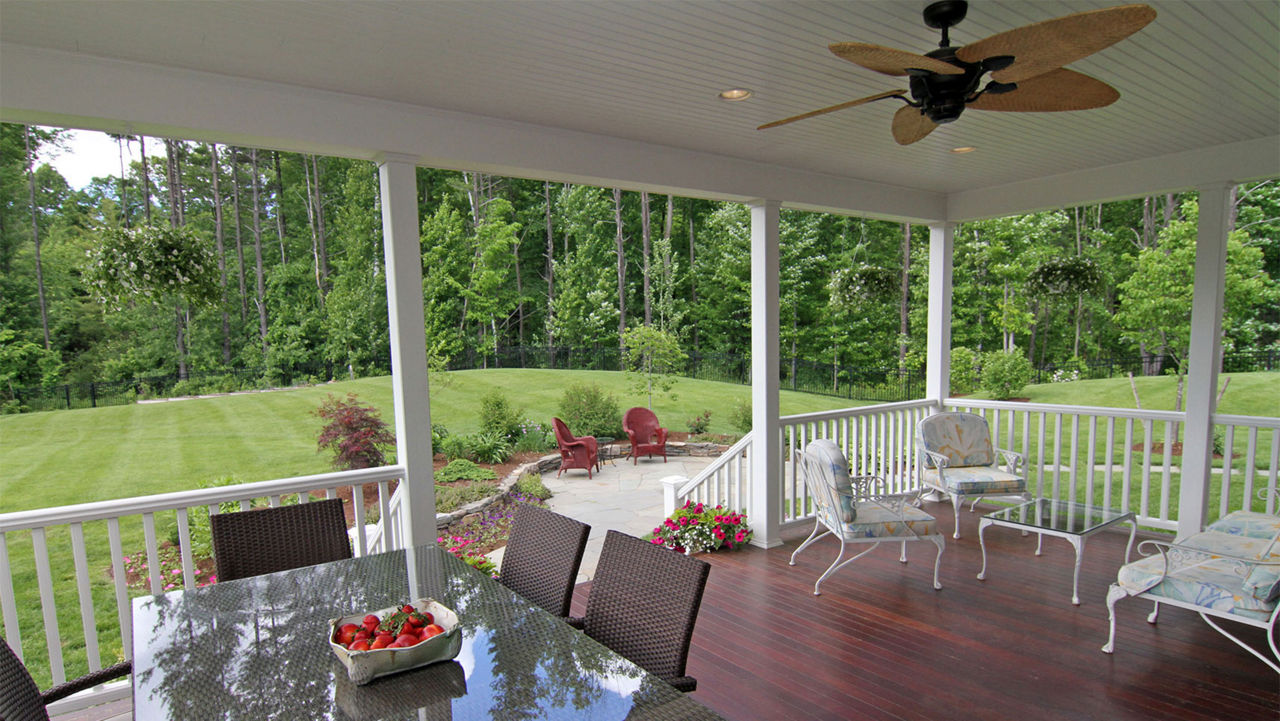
(653, 356)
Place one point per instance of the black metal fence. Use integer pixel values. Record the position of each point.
(95, 394)
(883, 385)
(1239, 362)
(852, 382)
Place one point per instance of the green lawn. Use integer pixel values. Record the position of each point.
(64, 457)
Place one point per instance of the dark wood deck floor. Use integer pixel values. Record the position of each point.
(880, 643)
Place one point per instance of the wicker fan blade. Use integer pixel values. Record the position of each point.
(889, 60)
(833, 108)
(1044, 46)
(910, 125)
(1059, 89)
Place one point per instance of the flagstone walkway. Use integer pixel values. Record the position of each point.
(621, 496)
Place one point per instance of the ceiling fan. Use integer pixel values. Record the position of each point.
(1025, 65)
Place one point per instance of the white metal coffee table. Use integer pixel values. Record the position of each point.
(1065, 519)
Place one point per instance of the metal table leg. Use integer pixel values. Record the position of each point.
(1078, 543)
(982, 527)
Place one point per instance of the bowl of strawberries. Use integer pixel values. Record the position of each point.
(395, 639)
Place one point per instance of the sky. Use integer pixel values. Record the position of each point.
(87, 155)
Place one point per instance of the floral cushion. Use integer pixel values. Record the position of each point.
(1248, 523)
(877, 521)
(1213, 583)
(834, 470)
(975, 480)
(962, 437)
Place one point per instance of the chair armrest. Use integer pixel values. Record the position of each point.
(939, 460)
(1177, 558)
(87, 681)
(590, 442)
(1012, 459)
(578, 622)
(662, 436)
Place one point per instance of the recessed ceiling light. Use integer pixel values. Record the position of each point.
(963, 149)
(735, 94)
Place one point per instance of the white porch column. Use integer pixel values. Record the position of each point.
(400, 247)
(1202, 361)
(764, 510)
(938, 366)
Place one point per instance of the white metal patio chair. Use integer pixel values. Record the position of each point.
(856, 510)
(960, 461)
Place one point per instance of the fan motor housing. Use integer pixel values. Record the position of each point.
(942, 97)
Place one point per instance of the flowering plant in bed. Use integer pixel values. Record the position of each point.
(696, 527)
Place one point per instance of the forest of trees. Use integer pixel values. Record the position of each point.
(207, 257)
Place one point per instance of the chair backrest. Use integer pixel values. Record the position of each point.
(641, 423)
(963, 438)
(825, 470)
(644, 602)
(19, 696)
(251, 543)
(563, 436)
(542, 557)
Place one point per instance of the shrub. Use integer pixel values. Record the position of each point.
(696, 527)
(490, 448)
(450, 498)
(355, 433)
(438, 434)
(455, 447)
(530, 484)
(699, 424)
(740, 416)
(497, 417)
(464, 470)
(964, 370)
(590, 411)
(1005, 373)
(534, 437)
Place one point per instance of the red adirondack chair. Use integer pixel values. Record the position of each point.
(579, 452)
(646, 435)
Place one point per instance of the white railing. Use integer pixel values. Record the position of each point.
(1126, 458)
(726, 482)
(1105, 456)
(103, 535)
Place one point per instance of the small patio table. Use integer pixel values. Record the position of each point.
(1065, 519)
(258, 648)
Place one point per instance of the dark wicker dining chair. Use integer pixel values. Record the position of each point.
(643, 604)
(542, 558)
(267, 540)
(21, 699)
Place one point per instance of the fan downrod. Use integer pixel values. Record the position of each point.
(943, 15)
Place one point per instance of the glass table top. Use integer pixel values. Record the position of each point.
(1056, 515)
(258, 649)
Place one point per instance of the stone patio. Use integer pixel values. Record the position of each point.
(621, 496)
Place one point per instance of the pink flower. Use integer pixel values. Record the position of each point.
(213, 579)
(168, 586)
(678, 549)
(656, 541)
(740, 536)
(684, 520)
(718, 533)
(175, 572)
(728, 544)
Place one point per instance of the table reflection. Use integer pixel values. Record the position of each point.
(257, 649)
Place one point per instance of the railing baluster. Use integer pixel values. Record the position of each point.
(1250, 467)
(123, 613)
(246, 504)
(184, 543)
(1127, 471)
(273, 501)
(357, 506)
(1148, 426)
(44, 579)
(1090, 459)
(8, 605)
(1108, 458)
(153, 553)
(1228, 444)
(1074, 458)
(1166, 472)
(331, 493)
(1274, 472)
(1057, 455)
(87, 623)
(1040, 457)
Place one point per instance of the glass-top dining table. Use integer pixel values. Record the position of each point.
(258, 649)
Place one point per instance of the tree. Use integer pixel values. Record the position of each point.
(652, 357)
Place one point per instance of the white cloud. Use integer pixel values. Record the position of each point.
(87, 154)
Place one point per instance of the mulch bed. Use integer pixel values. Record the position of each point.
(1157, 448)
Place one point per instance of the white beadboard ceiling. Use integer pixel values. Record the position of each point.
(1204, 73)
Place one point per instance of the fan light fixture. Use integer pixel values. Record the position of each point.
(963, 149)
(735, 94)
